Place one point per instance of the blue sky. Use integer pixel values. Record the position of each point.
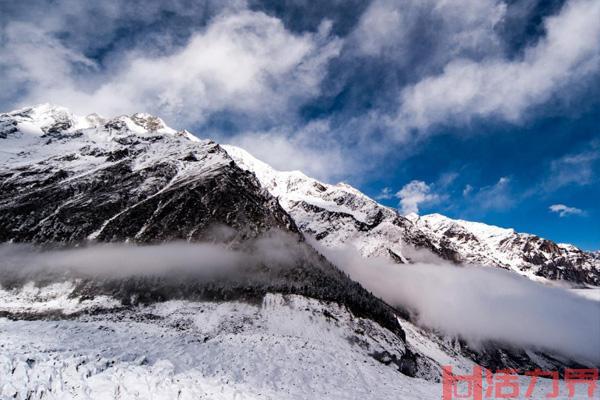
(485, 110)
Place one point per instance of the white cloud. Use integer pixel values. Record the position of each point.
(565, 211)
(244, 62)
(390, 28)
(30, 58)
(481, 304)
(447, 179)
(419, 62)
(307, 149)
(413, 194)
(467, 190)
(503, 88)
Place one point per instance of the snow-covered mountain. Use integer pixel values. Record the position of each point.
(289, 325)
(68, 178)
(340, 215)
(73, 181)
(528, 254)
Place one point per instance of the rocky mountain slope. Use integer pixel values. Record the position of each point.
(69, 181)
(527, 254)
(339, 215)
(74, 181)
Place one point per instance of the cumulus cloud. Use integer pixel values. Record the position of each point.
(482, 304)
(564, 211)
(244, 62)
(506, 88)
(413, 194)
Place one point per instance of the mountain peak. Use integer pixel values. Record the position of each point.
(45, 118)
(412, 217)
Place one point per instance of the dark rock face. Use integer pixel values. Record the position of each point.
(116, 205)
(556, 262)
(47, 201)
(7, 127)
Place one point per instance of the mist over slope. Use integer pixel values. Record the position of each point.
(74, 181)
(412, 263)
(482, 305)
(132, 274)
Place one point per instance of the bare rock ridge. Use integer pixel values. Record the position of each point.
(129, 178)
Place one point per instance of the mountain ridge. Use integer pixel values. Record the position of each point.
(334, 214)
(75, 181)
(340, 214)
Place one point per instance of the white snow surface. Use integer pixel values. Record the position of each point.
(284, 348)
(27, 146)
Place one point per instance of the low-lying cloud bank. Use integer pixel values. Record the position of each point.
(475, 303)
(115, 261)
(483, 304)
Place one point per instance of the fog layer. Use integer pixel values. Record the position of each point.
(482, 304)
(475, 303)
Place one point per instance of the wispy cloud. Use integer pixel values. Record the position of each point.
(389, 28)
(573, 169)
(385, 194)
(564, 211)
(307, 148)
(481, 304)
(467, 190)
(494, 197)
